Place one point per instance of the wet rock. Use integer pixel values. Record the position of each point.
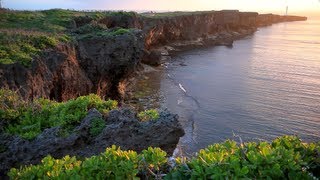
(122, 129)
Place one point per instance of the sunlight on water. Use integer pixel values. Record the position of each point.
(267, 85)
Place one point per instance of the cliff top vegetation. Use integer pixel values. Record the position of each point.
(173, 13)
(25, 34)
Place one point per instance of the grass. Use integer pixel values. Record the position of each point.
(25, 34)
(50, 21)
(23, 47)
(174, 14)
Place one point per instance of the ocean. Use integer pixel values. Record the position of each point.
(266, 85)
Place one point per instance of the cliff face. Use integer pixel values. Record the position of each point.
(189, 27)
(109, 61)
(160, 31)
(201, 29)
(269, 19)
(56, 75)
(95, 65)
(100, 64)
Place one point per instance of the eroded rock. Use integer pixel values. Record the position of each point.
(122, 129)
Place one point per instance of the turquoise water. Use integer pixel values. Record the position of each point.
(267, 85)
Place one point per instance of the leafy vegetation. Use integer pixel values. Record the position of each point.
(112, 164)
(28, 119)
(148, 115)
(284, 158)
(11, 105)
(19, 47)
(97, 30)
(97, 125)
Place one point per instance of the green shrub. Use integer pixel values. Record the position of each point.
(43, 42)
(148, 115)
(30, 119)
(154, 158)
(120, 31)
(285, 158)
(98, 30)
(49, 168)
(12, 105)
(3, 54)
(97, 125)
(90, 28)
(6, 61)
(112, 164)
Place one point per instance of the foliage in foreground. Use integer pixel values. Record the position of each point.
(28, 119)
(284, 158)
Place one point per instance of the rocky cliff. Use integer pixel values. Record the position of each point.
(269, 19)
(181, 32)
(100, 64)
(93, 65)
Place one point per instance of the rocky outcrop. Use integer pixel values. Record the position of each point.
(107, 61)
(94, 65)
(56, 75)
(122, 129)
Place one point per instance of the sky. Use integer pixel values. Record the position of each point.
(262, 6)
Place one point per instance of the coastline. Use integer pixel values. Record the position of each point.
(106, 65)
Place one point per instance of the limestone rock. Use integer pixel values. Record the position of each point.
(122, 129)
